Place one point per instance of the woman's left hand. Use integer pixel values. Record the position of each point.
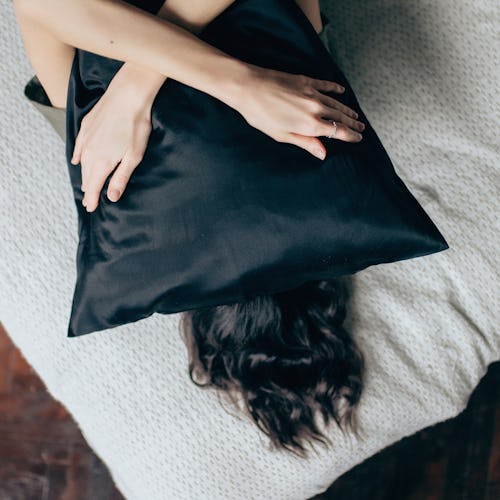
(116, 130)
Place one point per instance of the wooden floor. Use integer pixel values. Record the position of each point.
(43, 456)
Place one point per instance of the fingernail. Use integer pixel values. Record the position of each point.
(359, 136)
(114, 195)
(319, 153)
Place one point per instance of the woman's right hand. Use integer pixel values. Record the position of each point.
(293, 108)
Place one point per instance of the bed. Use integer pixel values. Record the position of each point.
(424, 74)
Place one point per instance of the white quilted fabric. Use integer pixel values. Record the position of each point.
(426, 75)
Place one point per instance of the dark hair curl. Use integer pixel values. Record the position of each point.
(286, 354)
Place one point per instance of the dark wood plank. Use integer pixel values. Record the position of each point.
(43, 455)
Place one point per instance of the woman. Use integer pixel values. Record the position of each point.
(286, 354)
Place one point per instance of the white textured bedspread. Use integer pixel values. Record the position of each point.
(426, 75)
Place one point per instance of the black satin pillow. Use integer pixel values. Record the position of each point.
(219, 212)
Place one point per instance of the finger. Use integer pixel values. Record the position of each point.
(327, 86)
(84, 178)
(77, 151)
(311, 144)
(333, 103)
(122, 175)
(341, 131)
(334, 114)
(84, 162)
(87, 163)
(96, 178)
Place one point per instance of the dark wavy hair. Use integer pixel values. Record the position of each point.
(286, 355)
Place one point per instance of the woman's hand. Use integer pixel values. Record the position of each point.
(294, 109)
(116, 130)
(289, 108)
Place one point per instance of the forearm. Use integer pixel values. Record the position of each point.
(146, 81)
(118, 30)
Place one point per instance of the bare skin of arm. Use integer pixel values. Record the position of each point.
(118, 30)
(53, 72)
(111, 28)
(121, 31)
(123, 135)
(192, 16)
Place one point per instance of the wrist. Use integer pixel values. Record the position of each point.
(143, 83)
(231, 88)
